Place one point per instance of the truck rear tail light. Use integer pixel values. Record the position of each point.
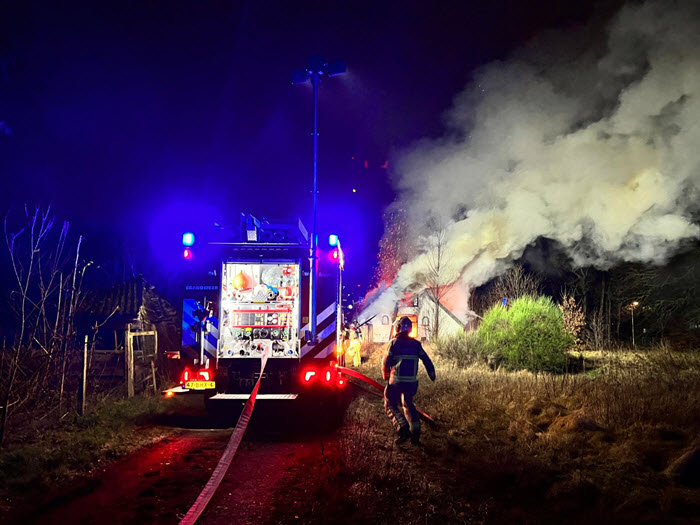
(205, 375)
(185, 376)
(329, 377)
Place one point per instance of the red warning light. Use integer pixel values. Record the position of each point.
(187, 254)
(335, 255)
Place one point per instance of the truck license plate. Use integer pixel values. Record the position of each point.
(200, 385)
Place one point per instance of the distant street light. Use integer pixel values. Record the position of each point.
(315, 68)
(632, 307)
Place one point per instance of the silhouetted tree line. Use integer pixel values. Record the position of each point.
(667, 298)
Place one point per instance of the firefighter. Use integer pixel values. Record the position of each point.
(352, 344)
(400, 367)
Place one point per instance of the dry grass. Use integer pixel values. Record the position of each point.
(531, 447)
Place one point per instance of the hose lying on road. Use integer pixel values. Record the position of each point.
(225, 461)
(237, 436)
(379, 390)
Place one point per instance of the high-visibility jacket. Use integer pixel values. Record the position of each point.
(400, 363)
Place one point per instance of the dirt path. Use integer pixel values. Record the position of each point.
(158, 483)
(247, 493)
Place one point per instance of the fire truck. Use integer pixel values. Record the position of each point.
(246, 298)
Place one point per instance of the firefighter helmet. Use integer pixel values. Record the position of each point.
(403, 324)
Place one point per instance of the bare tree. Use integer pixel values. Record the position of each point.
(513, 284)
(23, 270)
(596, 335)
(438, 275)
(44, 298)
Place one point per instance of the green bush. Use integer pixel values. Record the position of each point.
(528, 335)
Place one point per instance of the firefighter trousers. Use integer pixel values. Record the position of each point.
(394, 394)
(353, 352)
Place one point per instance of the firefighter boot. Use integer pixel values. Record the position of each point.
(404, 434)
(415, 434)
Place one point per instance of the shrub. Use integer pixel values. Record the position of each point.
(463, 348)
(573, 317)
(530, 335)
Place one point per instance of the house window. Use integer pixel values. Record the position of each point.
(385, 319)
(425, 321)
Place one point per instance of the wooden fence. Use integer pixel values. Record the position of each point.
(133, 364)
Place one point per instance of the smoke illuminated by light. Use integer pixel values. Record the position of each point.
(597, 152)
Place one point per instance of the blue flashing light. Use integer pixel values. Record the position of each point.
(333, 239)
(188, 239)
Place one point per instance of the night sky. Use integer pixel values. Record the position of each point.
(139, 120)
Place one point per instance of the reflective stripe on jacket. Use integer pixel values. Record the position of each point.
(400, 363)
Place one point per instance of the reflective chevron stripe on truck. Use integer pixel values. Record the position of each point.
(326, 335)
(191, 330)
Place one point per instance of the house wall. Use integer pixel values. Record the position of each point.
(426, 321)
(454, 315)
(378, 330)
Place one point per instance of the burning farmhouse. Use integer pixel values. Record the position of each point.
(432, 316)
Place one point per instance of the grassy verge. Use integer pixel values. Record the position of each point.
(42, 455)
(523, 447)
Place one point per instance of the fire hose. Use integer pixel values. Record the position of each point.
(234, 442)
(379, 390)
(237, 436)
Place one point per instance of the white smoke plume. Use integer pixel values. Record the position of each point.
(598, 150)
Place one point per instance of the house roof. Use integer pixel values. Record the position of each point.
(126, 299)
(451, 315)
